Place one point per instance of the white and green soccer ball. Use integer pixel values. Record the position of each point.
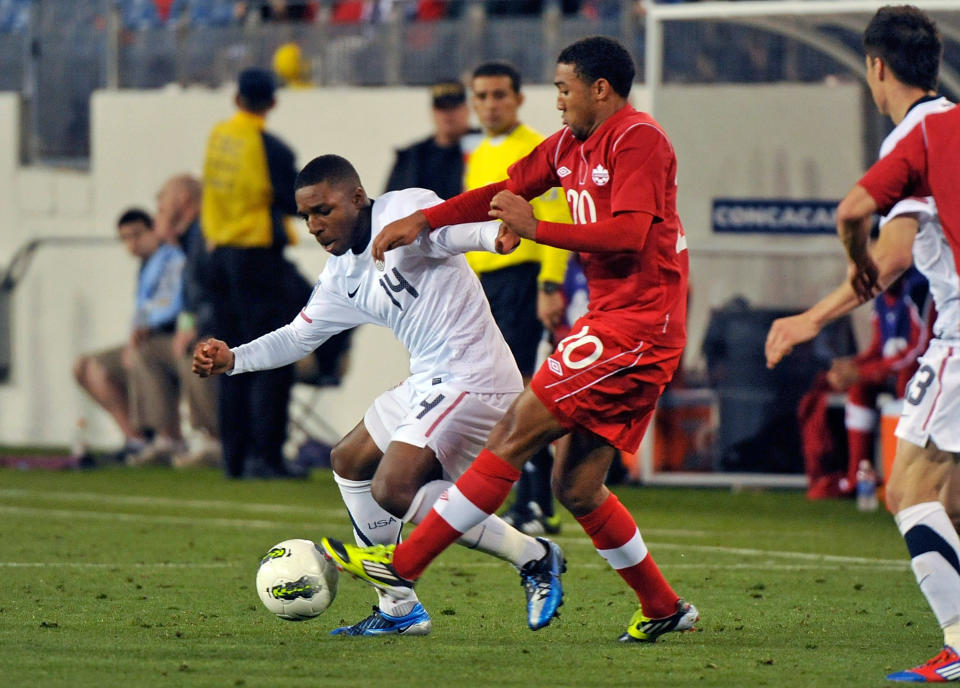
(295, 581)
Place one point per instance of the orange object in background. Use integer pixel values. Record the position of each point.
(684, 429)
(889, 415)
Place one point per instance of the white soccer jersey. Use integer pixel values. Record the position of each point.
(931, 252)
(425, 293)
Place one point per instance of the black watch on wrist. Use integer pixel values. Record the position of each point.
(550, 287)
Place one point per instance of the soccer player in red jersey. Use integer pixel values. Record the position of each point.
(618, 171)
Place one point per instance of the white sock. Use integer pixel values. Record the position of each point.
(373, 525)
(935, 559)
(492, 535)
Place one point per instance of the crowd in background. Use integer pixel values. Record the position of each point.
(153, 14)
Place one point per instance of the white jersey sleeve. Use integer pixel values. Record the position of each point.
(325, 315)
(453, 239)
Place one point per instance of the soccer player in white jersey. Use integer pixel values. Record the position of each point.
(903, 57)
(462, 376)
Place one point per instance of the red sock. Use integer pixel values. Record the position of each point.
(484, 486)
(611, 527)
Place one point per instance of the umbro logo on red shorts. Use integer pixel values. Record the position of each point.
(554, 367)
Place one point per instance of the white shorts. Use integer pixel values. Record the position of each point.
(450, 421)
(931, 405)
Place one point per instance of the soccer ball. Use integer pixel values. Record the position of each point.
(295, 581)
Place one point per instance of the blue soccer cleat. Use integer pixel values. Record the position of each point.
(541, 581)
(416, 622)
(941, 669)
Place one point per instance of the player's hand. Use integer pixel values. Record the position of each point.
(786, 333)
(843, 374)
(212, 357)
(507, 240)
(399, 233)
(550, 308)
(515, 212)
(864, 275)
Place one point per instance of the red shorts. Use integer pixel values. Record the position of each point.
(600, 380)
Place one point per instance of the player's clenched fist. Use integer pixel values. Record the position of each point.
(212, 357)
(399, 233)
(507, 240)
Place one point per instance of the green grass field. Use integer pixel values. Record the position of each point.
(146, 578)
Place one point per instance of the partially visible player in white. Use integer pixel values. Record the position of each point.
(418, 437)
(902, 80)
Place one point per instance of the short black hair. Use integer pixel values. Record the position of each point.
(330, 168)
(256, 88)
(135, 215)
(600, 57)
(908, 42)
(500, 68)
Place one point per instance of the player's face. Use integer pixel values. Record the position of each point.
(575, 101)
(332, 213)
(496, 104)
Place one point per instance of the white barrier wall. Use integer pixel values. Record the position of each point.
(784, 141)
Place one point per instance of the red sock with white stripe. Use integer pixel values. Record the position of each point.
(617, 539)
(478, 493)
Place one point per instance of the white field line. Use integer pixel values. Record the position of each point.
(579, 541)
(166, 501)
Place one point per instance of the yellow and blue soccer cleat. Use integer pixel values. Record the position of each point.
(646, 630)
(373, 565)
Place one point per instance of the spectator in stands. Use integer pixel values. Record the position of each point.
(436, 162)
(178, 223)
(277, 10)
(248, 180)
(290, 67)
(901, 330)
(524, 288)
(105, 375)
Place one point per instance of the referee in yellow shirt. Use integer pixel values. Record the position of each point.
(524, 287)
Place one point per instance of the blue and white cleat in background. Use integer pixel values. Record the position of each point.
(416, 622)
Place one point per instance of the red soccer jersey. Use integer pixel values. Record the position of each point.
(627, 164)
(925, 162)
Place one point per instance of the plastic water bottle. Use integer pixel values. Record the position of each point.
(866, 487)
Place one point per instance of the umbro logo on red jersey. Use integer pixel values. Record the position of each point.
(563, 172)
(600, 175)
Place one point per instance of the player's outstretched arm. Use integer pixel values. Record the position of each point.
(212, 357)
(399, 233)
(891, 256)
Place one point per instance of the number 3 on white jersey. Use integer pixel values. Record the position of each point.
(584, 211)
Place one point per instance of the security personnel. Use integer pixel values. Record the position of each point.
(248, 179)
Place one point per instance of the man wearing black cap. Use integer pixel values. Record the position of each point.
(248, 180)
(436, 163)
